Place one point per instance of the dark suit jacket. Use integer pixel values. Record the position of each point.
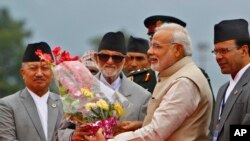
(19, 119)
(236, 109)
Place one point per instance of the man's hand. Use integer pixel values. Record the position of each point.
(128, 126)
(99, 136)
(79, 134)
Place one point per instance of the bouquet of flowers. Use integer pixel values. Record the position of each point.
(86, 101)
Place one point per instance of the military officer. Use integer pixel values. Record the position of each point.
(138, 66)
(157, 20)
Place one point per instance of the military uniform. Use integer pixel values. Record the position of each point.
(144, 77)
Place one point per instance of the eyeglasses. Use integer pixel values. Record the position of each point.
(105, 57)
(223, 51)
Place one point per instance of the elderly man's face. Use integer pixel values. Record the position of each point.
(162, 53)
(37, 76)
(110, 63)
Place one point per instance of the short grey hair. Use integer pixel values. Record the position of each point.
(180, 36)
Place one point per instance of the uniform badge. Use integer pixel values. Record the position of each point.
(147, 77)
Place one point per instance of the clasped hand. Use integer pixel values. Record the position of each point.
(80, 133)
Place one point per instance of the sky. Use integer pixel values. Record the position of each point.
(73, 23)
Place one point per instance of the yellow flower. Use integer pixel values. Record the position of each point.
(118, 108)
(87, 93)
(90, 106)
(102, 104)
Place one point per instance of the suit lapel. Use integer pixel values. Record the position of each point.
(228, 106)
(53, 111)
(31, 109)
(124, 87)
(220, 96)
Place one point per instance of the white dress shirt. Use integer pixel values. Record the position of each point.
(115, 85)
(42, 108)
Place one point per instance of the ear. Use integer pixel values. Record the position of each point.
(22, 72)
(96, 58)
(127, 59)
(179, 50)
(245, 49)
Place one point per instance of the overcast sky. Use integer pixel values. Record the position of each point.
(72, 23)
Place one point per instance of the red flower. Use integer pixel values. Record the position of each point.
(48, 58)
(56, 51)
(65, 56)
(44, 56)
(59, 56)
(75, 58)
(39, 52)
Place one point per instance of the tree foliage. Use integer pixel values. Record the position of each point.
(12, 35)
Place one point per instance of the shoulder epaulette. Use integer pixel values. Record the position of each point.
(138, 71)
